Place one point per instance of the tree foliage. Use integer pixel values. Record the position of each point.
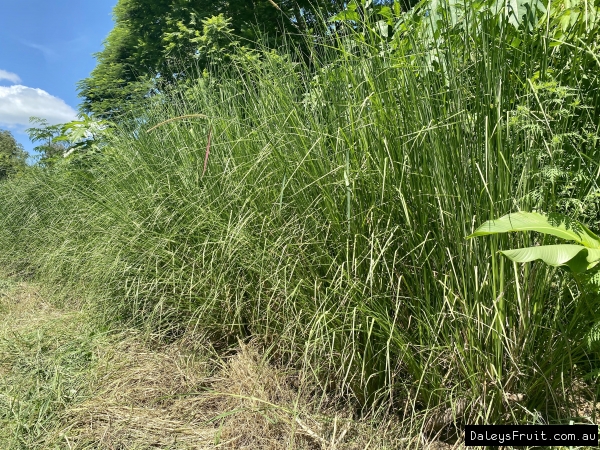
(155, 42)
(71, 140)
(12, 155)
(45, 134)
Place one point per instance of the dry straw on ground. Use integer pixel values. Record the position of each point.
(166, 399)
(139, 393)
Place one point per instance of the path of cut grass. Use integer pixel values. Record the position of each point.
(67, 383)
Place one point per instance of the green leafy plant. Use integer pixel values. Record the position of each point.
(46, 135)
(581, 258)
(12, 155)
(85, 134)
(69, 140)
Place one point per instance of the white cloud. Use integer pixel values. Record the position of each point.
(12, 77)
(18, 103)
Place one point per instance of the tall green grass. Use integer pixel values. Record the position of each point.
(330, 221)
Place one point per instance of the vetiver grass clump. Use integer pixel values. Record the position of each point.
(322, 208)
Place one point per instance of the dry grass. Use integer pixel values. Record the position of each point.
(22, 306)
(183, 396)
(165, 398)
(135, 393)
(135, 403)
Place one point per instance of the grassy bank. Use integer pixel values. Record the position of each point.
(320, 209)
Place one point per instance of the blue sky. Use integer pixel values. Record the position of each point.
(46, 47)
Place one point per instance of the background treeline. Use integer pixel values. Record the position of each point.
(12, 155)
(312, 190)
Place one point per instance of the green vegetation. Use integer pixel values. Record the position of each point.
(83, 137)
(46, 362)
(156, 43)
(318, 207)
(579, 259)
(12, 155)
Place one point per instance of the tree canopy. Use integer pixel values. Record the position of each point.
(154, 39)
(44, 133)
(12, 154)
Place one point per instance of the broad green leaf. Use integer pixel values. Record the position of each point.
(520, 10)
(576, 257)
(345, 15)
(386, 11)
(555, 225)
(382, 28)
